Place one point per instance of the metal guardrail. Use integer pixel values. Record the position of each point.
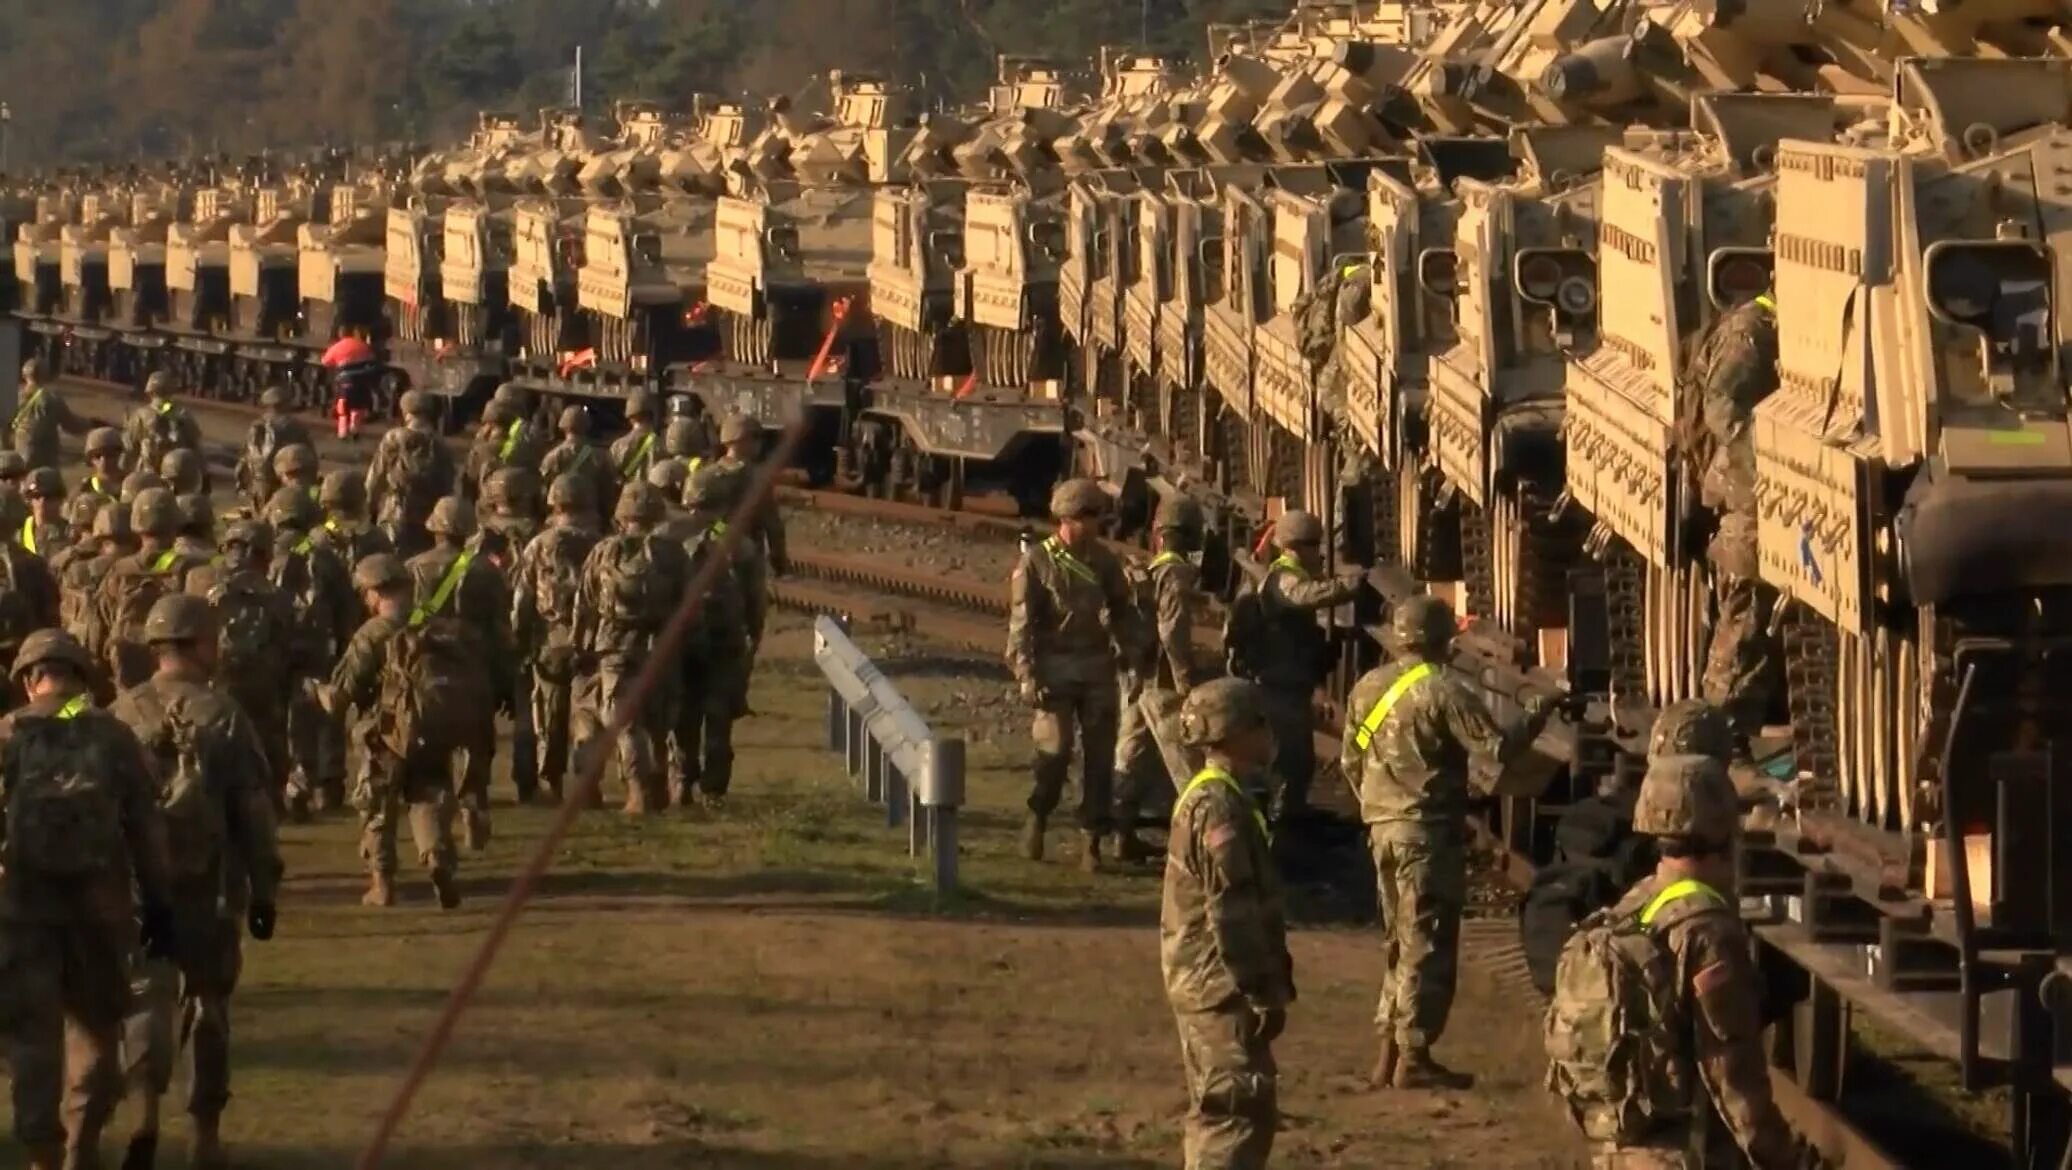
(891, 752)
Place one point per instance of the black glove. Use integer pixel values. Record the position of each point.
(259, 920)
(156, 934)
(1268, 1023)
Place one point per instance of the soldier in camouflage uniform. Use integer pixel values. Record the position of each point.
(1291, 658)
(1223, 935)
(711, 494)
(635, 451)
(264, 650)
(390, 786)
(670, 477)
(45, 531)
(1735, 368)
(629, 589)
(1070, 608)
(160, 425)
(214, 783)
(345, 530)
(104, 453)
(742, 437)
(197, 538)
(510, 516)
(296, 466)
(312, 575)
(81, 511)
(14, 475)
(411, 471)
(115, 630)
(1683, 803)
(1168, 596)
(80, 873)
(450, 580)
(183, 471)
(485, 448)
(714, 677)
(1412, 733)
(43, 414)
(687, 443)
(543, 622)
(113, 539)
(273, 432)
(577, 455)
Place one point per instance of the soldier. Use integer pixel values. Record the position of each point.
(160, 425)
(29, 594)
(273, 432)
(1286, 654)
(43, 414)
(214, 785)
(85, 856)
(511, 516)
(1411, 734)
(317, 586)
(104, 463)
(1735, 369)
(345, 531)
(670, 477)
(522, 444)
(452, 583)
(543, 621)
(1071, 607)
(261, 650)
(1223, 935)
(1711, 1035)
(113, 539)
(394, 777)
(1153, 686)
(629, 589)
(412, 470)
(634, 452)
(295, 465)
(125, 595)
(485, 450)
(743, 438)
(713, 681)
(182, 471)
(711, 494)
(577, 455)
(14, 474)
(78, 545)
(45, 530)
(687, 441)
(197, 527)
(136, 483)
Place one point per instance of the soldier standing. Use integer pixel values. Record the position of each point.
(124, 597)
(261, 648)
(482, 459)
(214, 786)
(1153, 686)
(630, 587)
(1287, 654)
(182, 471)
(84, 859)
(104, 463)
(1223, 935)
(273, 432)
(395, 780)
(577, 455)
(1709, 1042)
(686, 441)
(711, 494)
(197, 538)
(742, 437)
(452, 583)
(714, 680)
(14, 475)
(411, 471)
(160, 425)
(46, 531)
(345, 531)
(1070, 606)
(113, 539)
(1411, 735)
(544, 585)
(42, 415)
(634, 452)
(510, 516)
(296, 466)
(313, 579)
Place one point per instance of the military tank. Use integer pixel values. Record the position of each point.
(38, 246)
(138, 295)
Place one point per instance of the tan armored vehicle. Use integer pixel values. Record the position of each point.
(414, 238)
(917, 247)
(38, 245)
(197, 260)
(83, 254)
(265, 289)
(641, 283)
(342, 264)
(546, 253)
(137, 259)
(474, 270)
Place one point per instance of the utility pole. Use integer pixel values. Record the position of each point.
(6, 123)
(575, 81)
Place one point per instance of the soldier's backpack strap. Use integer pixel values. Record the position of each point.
(1379, 713)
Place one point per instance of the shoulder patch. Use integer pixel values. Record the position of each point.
(1711, 979)
(1222, 836)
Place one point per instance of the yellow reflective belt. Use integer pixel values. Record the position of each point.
(164, 563)
(1764, 300)
(303, 546)
(444, 593)
(1372, 723)
(21, 415)
(1284, 561)
(29, 534)
(165, 407)
(312, 490)
(503, 453)
(73, 706)
(1166, 558)
(1212, 772)
(640, 452)
(93, 484)
(1676, 892)
(1071, 564)
(697, 461)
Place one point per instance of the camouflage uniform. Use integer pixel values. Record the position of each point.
(473, 592)
(1408, 747)
(639, 448)
(508, 440)
(1293, 658)
(1168, 596)
(766, 530)
(714, 676)
(66, 938)
(345, 531)
(225, 862)
(1736, 368)
(576, 455)
(544, 584)
(112, 540)
(272, 433)
(43, 414)
(160, 425)
(621, 646)
(14, 475)
(262, 654)
(317, 584)
(402, 488)
(45, 531)
(1223, 943)
(1068, 611)
(104, 454)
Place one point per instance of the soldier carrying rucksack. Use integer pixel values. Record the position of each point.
(631, 585)
(460, 602)
(543, 623)
(411, 471)
(272, 432)
(160, 425)
(125, 595)
(1654, 1040)
(317, 585)
(259, 646)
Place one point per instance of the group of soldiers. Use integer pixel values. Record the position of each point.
(183, 681)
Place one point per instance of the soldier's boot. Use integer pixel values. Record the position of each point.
(446, 884)
(474, 819)
(1415, 1069)
(637, 801)
(46, 1156)
(381, 890)
(1384, 1074)
(1132, 849)
(1032, 837)
(206, 1151)
(142, 1153)
(1090, 852)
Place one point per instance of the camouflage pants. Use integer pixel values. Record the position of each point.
(270, 720)
(1088, 713)
(548, 705)
(1641, 1158)
(1422, 874)
(389, 790)
(641, 749)
(754, 574)
(1233, 1092)
(185, 1002)
(64, 988)
(316, 744)
(1147, 735)
(1738, 663)
(1293, 719)
(525, 739)
(702, 734)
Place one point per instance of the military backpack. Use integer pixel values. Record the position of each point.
(64, 818)
(1244, 631)
(632, 598)
(420, 483)
(246, 638)
(435, 689)
(194, 821)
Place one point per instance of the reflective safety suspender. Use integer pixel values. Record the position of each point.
(1389, 698)
(1064, 559)
(640, 452)
(1676, 892)
(1212, 772)
(419, 615)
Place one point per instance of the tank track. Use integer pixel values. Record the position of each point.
(1625, 601)
(1811, 647)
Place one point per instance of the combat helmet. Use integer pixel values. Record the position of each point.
(137, 482)
(1297, 528)
(291, 509)
(81, 509)
(48, 646)
(1688, 797)
(640, 404)
(113, 523)
(1424, 624)
(739, 427)
(1178, 513)
(275, 396)
(34, 372)
(500, 411)
(197, 514)
(1220, 710)
(1691, 727)
(248, 533)
(418, 404)
(293, 458)
(103, 440)
(682, 436)
(341, 489)
(712, 487)
(1078, 498)
(179, 617)
(380, 571)
(452, 517)
(569, 493)
(640, 503)
(510, 487)
(154, 512)
(180, 465)
(158, 385)
(44, 483)
(575, 421)
(669, 477)
(13, 465)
